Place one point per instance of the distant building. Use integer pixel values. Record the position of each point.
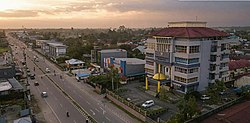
(52, 48)
(116, 53)
(189, 54)
(94, 54)
(141, 48)
(7, 86)
(127, 67)
(74, 64)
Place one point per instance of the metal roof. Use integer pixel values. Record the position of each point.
(112, 50)
(15, 84)
(74, 61)
(189, 32)
(131, 60)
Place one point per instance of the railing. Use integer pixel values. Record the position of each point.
(209, 113)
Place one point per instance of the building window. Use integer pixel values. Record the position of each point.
(193, 70)
(186, 61)
(194, 49)
(184, 80)
(193, 60)
(223, 56)
(181, 60)
(149, 54)
(150, 63)
(223, 47)
(213, 58)
(181, 70)
(181, 49)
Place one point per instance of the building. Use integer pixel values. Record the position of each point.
(189, 54)
(74, 64)
(7, 86)
(130, 68)
(39, 43)
(57, 50)
(116, 53)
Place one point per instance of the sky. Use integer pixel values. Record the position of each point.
(114, 13)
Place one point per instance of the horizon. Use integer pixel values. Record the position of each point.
(51, 14)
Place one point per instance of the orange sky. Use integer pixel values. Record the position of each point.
(113, 13)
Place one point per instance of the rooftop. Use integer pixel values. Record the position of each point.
(237, 64)
(112, 50)
(5, 85)
(189, 32)
(57, 44)
(74, 61)
(131, 60)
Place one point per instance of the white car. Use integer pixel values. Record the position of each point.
(44, 94)
(148, 104)
(47, 70)
(205, 97)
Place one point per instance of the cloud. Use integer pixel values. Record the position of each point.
(19, 13)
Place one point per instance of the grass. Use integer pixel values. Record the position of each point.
(2, 50)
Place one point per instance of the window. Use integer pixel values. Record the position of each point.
(181, 49)
(193, 60)
(223, 47)
(186, 71)
(193, 70)
(184, 80)
(213, 58)
(149, 54)
(223, 56)
(212, 67)
(186, 61)
(150, 63)
(181, 60)
(181, 70)
(194, 49)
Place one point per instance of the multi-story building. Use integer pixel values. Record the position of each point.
(57, 50)
(189, 54)
(129, 68)
(116, 53)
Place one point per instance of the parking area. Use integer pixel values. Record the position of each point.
(134, 92)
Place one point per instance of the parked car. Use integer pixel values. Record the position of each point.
(44, 94)
(148, 104)
(36, 83)
(205, 97)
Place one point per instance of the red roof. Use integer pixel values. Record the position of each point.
(237, 64)
(189, 32)
(238, 113)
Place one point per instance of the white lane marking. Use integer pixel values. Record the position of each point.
(75, 121)
(87, 102)
(61, 105)
(50, 108)
(107, 118)
(103, 111)
(97, 110)
(92, 112)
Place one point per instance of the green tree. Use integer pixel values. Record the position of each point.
(214, 89)
(188, 108)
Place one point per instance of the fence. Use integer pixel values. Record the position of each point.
(129, 106)
(207, 114)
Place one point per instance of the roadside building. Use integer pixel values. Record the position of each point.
(189, 54)
(57, 50)
(40, 42)
(128, 68)
(116, 53)
(73, 64)
(8, 86)
(238, 68)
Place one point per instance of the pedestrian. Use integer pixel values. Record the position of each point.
(67, 113)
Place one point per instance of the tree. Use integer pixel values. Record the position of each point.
(188, 108)
(214, 89)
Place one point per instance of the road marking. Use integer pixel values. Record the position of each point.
(92, 112)
(75, 121)
(97, 110)
(61, 105)
(107, 118)
(87, 102)
(103, 111)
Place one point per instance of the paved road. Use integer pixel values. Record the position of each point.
(56, 104)
(93, 104)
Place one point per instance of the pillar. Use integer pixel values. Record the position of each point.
(146, 83)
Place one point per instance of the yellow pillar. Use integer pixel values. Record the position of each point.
(146, 83)
(159, 86)
(159, 83)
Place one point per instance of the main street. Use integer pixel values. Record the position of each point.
(95, 105)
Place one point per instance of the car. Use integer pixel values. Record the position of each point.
(148, 104)
(32, 76)
(205, 97)
(36, 83)
(44, 94)
(47, 70)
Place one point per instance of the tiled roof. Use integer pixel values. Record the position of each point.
(238, 64)
(189, 32)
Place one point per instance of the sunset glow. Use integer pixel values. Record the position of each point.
(112, 13)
